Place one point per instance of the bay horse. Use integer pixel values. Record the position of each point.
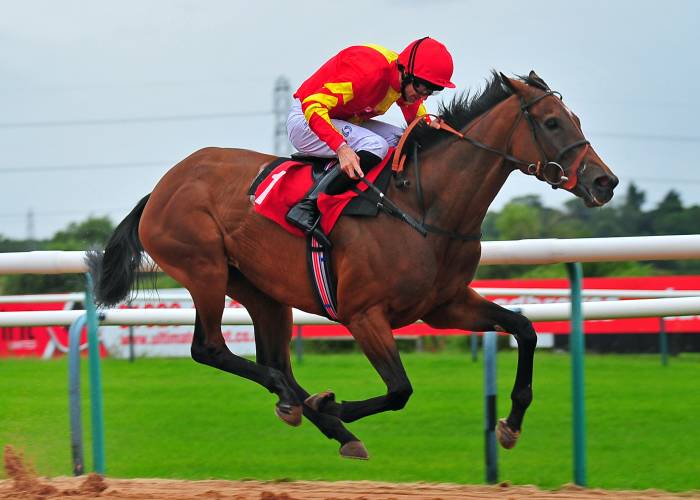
(199, 226)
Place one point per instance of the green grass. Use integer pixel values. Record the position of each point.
(177, 419)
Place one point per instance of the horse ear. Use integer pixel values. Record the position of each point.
(508, 83)
(539, 82)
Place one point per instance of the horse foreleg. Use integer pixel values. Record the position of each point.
(470, 311)
(273, 332)
(373, 333)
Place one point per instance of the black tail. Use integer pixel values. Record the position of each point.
(115, 271)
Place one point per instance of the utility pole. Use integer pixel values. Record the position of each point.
(281, 103)
(31, 233)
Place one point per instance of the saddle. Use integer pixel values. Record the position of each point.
(318, 165)
(285, 181)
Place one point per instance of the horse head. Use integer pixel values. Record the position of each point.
(548, 135)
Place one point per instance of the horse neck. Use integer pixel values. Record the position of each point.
(461, 181)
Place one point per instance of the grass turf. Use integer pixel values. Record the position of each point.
(173, 418)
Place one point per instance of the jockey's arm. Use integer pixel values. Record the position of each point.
(316, 109)
(411, 111)
(349, 161)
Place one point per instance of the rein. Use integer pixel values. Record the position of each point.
(397, 165)
(390, 208)
(550, 172)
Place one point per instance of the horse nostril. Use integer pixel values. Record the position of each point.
(614, 182)
(606, 182)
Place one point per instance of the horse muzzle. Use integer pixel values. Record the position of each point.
(596, 184)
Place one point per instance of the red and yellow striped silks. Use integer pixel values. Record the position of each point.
(356, 84)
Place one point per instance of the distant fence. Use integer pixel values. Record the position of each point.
(640, 308)
(544, 251)
(182, 294)
(547, 251)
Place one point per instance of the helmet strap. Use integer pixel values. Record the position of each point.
(407, 75)
(406, 79)
(412, 55)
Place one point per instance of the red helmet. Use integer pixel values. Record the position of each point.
(428, 60)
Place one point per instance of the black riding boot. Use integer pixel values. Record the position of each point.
(305, 214)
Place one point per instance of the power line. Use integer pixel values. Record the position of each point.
(62, 213)
(648, 137)
(667, 180)
(140, 119)
(95, 166)
(138, 164)
(246, 114)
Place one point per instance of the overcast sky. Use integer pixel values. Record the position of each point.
(99, 99)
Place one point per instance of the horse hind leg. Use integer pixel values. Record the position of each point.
(200, 265)
(273, 332)
(209, 347)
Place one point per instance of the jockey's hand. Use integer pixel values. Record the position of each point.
(435, 123)
(349, 162)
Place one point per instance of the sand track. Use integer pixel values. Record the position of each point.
(23, 483)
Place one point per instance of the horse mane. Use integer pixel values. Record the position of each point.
(465, 107)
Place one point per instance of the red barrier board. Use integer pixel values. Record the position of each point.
(685, 324)
(50, 341)
(35, 341)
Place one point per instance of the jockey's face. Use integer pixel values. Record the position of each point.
(411, 94)
(417, 89)
(423, 89)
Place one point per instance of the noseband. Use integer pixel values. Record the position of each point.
(550, 172)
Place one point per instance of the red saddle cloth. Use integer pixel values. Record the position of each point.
(288, 183)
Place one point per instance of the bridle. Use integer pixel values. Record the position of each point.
(551, 171)
(545, 170)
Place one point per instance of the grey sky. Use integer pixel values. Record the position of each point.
(629, 69)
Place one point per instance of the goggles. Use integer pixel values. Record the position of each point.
(424, 88)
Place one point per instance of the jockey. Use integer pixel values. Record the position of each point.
(332, 113)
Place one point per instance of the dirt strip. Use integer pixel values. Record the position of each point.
(23, 483)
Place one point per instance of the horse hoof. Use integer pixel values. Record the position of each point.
(289, 414)
(317, 401)
(506, 436)
(354, 449)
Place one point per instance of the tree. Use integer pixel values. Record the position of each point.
(669, 217)
(7, 245)
(634, 221)
(518, 221)
(634, 200)
(526, 217)
(91, 233)
(670, 204)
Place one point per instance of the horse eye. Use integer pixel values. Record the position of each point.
(551, 123)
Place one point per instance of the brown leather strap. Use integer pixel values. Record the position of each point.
(444, 126)
(400, 157)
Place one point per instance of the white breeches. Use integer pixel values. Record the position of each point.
(371, 135)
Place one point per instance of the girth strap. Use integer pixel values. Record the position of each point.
(323, 280)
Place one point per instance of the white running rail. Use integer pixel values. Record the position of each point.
(543, 251)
